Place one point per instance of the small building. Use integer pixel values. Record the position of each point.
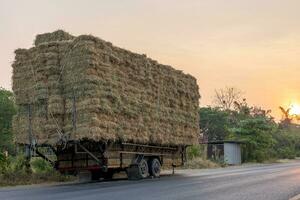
(228, 152)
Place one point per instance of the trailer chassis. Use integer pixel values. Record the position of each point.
(138, 160)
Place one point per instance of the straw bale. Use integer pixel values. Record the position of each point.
(90, 89)
(58, 35)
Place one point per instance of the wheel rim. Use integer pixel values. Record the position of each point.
(143, 169)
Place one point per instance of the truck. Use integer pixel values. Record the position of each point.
(101, 109)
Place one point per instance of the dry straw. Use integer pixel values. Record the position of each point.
(83, 87)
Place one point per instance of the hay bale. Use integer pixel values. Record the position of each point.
(58, 35)
(118, 95)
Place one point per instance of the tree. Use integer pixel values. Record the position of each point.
(214, 123)
(255, 126)
(286, 118)
(263, 138)
(244, 111)
(287, 142)
(257, 133)
(7, 111)
(225, 97)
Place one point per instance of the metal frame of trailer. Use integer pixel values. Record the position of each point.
(103, 159)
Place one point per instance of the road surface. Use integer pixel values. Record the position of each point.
(265, 182)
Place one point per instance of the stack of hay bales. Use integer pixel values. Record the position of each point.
(86, 88)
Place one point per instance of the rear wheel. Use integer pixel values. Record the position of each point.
(154, 167)
(138, 171)
(143, 169)
(95, 175)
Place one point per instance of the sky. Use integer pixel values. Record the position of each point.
(253, 45)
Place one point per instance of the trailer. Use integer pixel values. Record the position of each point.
(101, 160)
(101, 109)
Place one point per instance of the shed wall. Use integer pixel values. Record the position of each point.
(232, 153)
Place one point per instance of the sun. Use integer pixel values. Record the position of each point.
(295, 110)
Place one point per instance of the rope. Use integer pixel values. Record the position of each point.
(35, 80)
(158, 104)
(62, 68)
(73, 89)
(58, 129)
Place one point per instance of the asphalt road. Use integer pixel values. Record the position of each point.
(265, 182)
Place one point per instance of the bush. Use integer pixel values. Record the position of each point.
(195, 151)
(14, 171)
(39, 165)
(257, 133)
(4, 163)
(286, 153)
(287, 143)
(7, 111)
(18, 164)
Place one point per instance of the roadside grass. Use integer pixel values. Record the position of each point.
(200, 163)
(13, 171)
(21, 178)
(282, 160)
(196, 158)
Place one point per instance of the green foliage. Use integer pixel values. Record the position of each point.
(4, 163)
(257, 132)
(39, 165)
(214, 123)
(15, 164)
(263, 138)
(13, 171)
(7, 111)
(286, 152)
(18, 164)
(195, 151)
(287, 142)
(196, 158)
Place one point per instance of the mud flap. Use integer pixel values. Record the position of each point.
(133, 172)
(84, 176)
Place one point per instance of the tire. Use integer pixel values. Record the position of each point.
(108, 175)
(143, 169)
(95, 175)
(154, 168)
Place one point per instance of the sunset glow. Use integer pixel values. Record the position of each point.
(295, 109)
